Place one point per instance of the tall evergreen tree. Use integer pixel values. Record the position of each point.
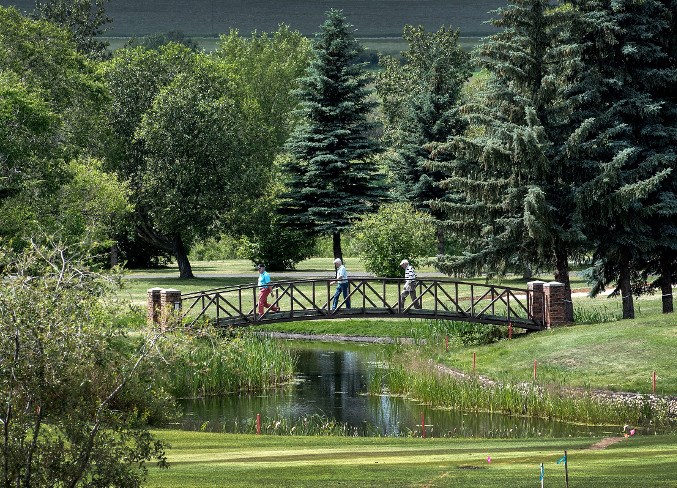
(628, 142)
(511, 186)
(332, 173)
(420, 107)
(664, 228)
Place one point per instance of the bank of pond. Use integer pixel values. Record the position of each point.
(255, 384)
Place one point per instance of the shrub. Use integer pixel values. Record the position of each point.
(397, 231)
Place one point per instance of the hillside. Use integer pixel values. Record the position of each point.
(205, 18)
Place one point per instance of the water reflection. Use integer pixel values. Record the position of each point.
(333, 383)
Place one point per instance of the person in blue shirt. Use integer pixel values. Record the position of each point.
(264, 290)
(341, 283)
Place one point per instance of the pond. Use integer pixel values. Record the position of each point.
(332, 381)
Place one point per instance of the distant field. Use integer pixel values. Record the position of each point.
(391, 46)
(209, 18)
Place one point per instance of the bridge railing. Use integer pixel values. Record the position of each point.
(371, 297)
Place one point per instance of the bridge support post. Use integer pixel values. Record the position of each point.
(537, 301)
(555, 310)
(546, 303)
(170, 302)
(153, 305)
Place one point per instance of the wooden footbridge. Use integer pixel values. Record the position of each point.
(442, 299)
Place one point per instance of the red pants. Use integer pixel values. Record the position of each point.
(263, 302)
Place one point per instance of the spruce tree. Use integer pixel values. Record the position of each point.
(511, 186)
(332, 173)
(420, 108)
(628, 208)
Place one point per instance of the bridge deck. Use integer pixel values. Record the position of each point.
(373, 298)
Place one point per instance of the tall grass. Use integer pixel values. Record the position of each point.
(309, 425)
(424, 383)
(208, 363)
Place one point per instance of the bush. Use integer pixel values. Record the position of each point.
(397, 231)
(219, 249)
(472, 334)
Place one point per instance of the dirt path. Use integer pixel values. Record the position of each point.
(606, 442)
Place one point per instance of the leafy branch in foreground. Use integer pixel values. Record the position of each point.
(65, 377)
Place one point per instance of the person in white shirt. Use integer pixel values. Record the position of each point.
(341, 283)
(409, 284)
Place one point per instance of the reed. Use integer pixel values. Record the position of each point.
(422, 382)
(309, 425)
(208, 363)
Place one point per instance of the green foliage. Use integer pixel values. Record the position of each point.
(50, 111)
(46, 60)
(197, 135)
(83, 18)
(397, 231)
(218, 249)
(267, 65)
(332, 175)
(155, 41)
(471, 334)
(27, 129)
(73, 408)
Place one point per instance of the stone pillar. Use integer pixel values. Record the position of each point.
(555, 309)
(170, 303)
(536, 300)
(153, 305)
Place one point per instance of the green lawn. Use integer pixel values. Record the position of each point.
(217, 274)
(216, 460)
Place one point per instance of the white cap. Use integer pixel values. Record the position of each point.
(404, 262)
(337, 261)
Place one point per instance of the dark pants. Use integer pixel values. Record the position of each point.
(341, 288)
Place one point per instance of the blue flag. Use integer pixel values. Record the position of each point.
(563, 460)
(542, 473)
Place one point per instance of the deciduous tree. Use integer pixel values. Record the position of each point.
(64, 417)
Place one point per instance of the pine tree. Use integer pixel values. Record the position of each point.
(420, 108)
(628, 142)
(332, 174)
(511, 186)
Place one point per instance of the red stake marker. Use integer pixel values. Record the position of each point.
(535, 364)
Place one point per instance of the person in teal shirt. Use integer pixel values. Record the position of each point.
(264, 290)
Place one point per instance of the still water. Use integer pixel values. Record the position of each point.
(332, 381)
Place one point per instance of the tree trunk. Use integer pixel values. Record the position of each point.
(562, 275)
(179, 250)
(172, 244)
(441, 242)
(336, 240)
(626, 287)
(666, 282)
(114, 255)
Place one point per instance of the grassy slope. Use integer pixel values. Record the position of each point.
(618, 356)
(205, 460)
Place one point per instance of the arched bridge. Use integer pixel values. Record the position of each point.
(443, 299)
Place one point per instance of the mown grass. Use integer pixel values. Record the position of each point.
(218, 274)
(211, 460)
(619, 356)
